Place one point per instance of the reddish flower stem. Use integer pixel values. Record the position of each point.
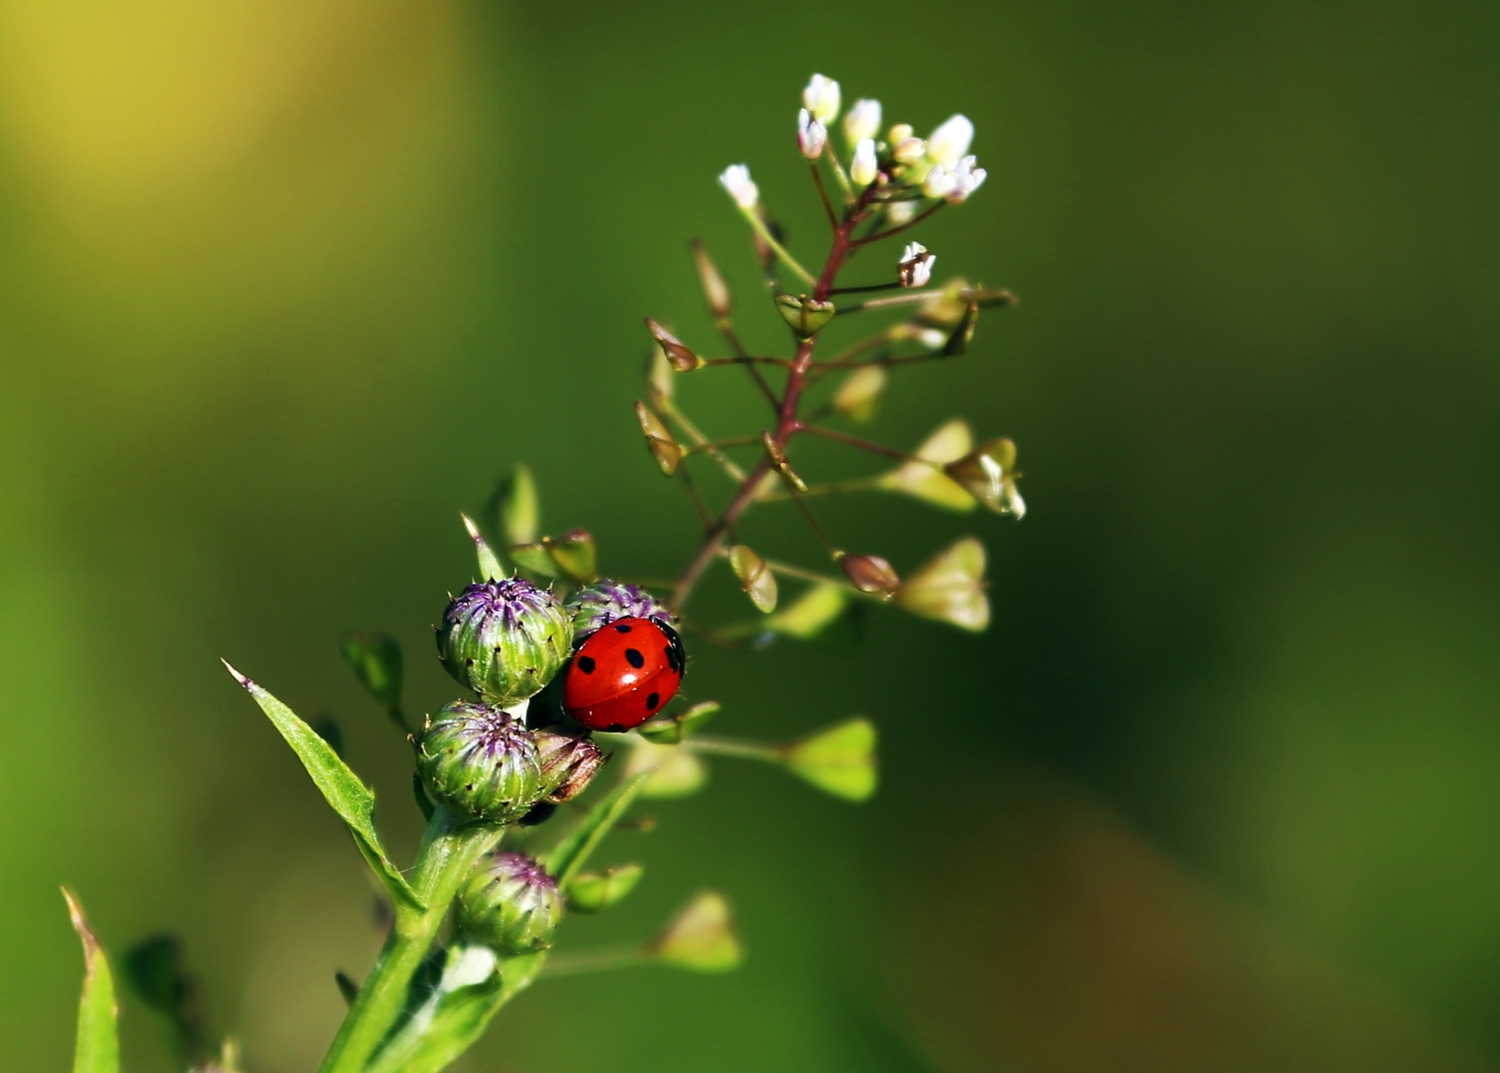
(787, 424)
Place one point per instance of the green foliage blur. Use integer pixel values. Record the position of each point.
(285, 286)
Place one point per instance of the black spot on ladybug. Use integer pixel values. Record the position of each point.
(622, 628)
(652, 701)
(586, 664)
(634, 658)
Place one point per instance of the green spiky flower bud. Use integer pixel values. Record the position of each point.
(569, 763)
(607, 601)
(480, 763)
(504, 639)
(510, 904)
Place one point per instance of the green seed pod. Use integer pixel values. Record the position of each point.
(504, 639)
(510, 904)
(569, 763)
(480, 763)
(607, 601)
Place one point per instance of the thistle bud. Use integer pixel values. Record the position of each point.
(700, 937)
(862, 121)
(807, 316)
(870, 574)
(510, 904)
(858, 397)
(667, 451)
(569, 763)
(480, 763)
(915, 267)
(822, 98)
(950, 588)
(864, 167)
(811, 135)
(682, 359)
(504, 639)
(950, 142)
(736, 179)
(606, 601)
(715, 288)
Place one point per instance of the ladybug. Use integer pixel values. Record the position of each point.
(623, 674)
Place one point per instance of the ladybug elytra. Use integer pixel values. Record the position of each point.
(623, 674)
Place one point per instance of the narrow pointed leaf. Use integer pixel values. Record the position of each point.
(489, 564)
(535, 558)
(98, 1046)
(565, 859)
(340, 787)
(514, 511)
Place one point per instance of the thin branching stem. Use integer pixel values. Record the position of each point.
(855, 441)
(913, 222)
(817, 176)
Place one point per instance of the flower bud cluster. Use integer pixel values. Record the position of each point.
(510, 904)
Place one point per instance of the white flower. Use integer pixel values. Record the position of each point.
(910, 150)
(900, 212)
(821, 98)
(915, 268)
(950, 142)
(940, 182)
(736, 179)
(899, 133)
(931, 338)
(966, 179)
(863, 121)
(863, 168)
(811, 135)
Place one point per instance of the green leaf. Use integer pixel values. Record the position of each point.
(489, 565)
(156, 970)
(375, 659)
(515, 511)
(565, 859)
(592, 892)
(340, 787)
(672, 770)
(672, 730)
(839, 760)
(456, 1021)
(575, 555)
(535, 558)
(98, 1046)
(701, 937)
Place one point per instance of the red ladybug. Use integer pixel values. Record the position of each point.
(623, 674)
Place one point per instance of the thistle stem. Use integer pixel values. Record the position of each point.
(449, 853)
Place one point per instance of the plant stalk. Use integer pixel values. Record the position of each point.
(449, 853)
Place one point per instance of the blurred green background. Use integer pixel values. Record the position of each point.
(285, 285)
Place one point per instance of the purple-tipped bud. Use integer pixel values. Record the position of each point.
(606, 601)
(510, 904)
(480, 763)
(569, 763)
(504, 639)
